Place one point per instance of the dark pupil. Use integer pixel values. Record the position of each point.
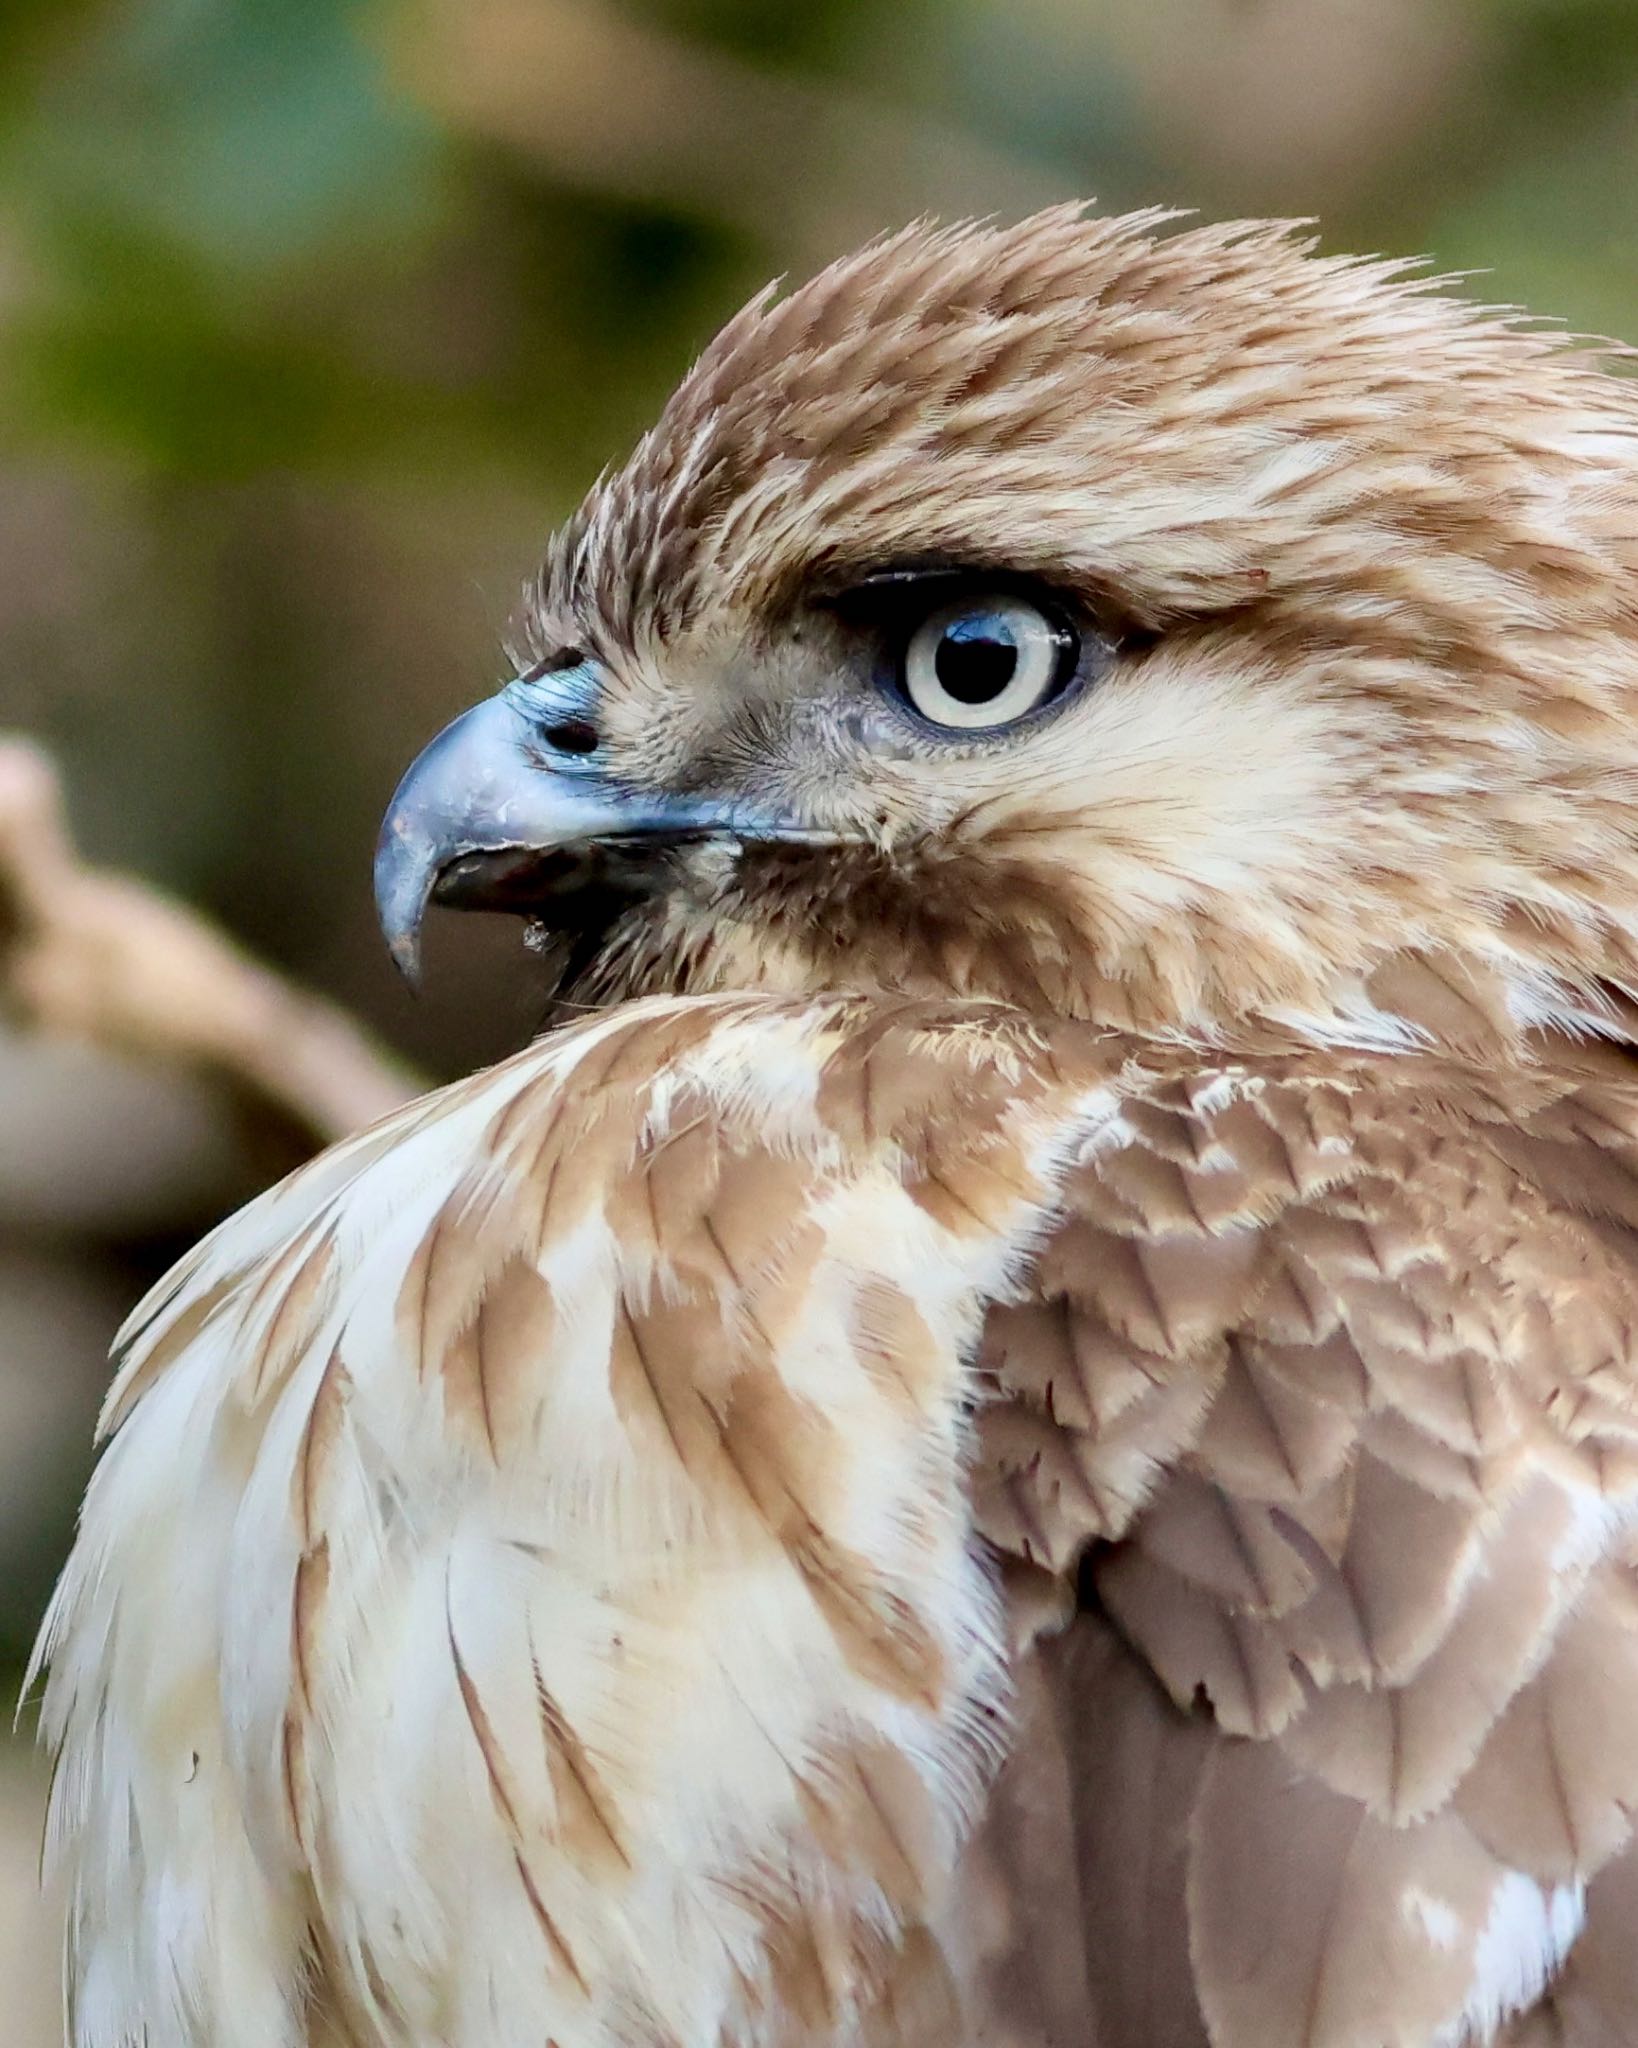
(976, 659)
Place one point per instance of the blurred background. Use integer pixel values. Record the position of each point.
(315, 316)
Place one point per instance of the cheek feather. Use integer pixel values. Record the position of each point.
(1201, 775)
(1129, 843)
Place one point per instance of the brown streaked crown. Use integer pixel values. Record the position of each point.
(1089, 398)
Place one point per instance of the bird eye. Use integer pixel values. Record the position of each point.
(985, 661)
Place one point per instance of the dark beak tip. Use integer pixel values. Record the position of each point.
(405, 949)
(402, 885)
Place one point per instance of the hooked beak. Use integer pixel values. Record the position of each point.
(511, 808)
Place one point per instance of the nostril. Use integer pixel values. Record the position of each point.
(573, 736)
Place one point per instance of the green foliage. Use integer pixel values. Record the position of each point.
(258, 133)
(1563, 51)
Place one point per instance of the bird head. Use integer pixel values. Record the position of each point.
(1177, 629)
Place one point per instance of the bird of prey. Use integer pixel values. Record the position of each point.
(1028, 1436)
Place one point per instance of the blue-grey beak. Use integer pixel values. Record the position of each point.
(511, 808)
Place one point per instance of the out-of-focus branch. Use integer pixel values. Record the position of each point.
(606, 101)
(88, 954)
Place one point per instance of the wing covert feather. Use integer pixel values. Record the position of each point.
(1385, 1555)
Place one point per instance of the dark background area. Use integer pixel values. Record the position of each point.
(314, 317)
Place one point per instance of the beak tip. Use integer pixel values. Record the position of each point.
(403, 882)
(405, 948)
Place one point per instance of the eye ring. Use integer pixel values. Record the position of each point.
(984, 660)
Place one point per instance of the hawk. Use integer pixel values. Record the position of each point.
(1028, 1432)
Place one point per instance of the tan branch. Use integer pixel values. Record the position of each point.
(90, 954)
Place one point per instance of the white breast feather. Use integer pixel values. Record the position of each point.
(697, 1669)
